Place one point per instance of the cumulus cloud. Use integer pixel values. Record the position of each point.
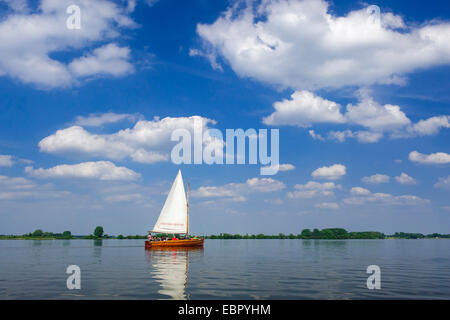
(334, 172)
(443, 182)
(359, 191)
(44, 30)
(109, 59)
(405, 179)
(238, 191)
(427, 127)
(146, 142)
(313, 189)
(6, 160)
(305, 109)
(303, 45)
(370, 114)
(284, 167)
(376, 179)
(97, 120)
(433, 158)
(100, 170)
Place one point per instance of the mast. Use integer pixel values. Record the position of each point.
(187, 215)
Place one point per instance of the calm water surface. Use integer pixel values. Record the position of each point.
(226, 269)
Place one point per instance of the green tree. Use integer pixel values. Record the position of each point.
(98, 232)
(38, 233)
(306, 233)
(316, 233)
(67, 234)
(120, 236)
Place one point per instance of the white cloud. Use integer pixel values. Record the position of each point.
(359, 191)
(18, 183)
(368, 136)
(386, 199)
(340, 136)
(304, 109)
(361, 136)
(101, 170)
(363, 196)
(376, 117)
(313, 189)
(238, 191)
(376, 179)
(316, 136)
(334, 172)
(327, 205)
(427, 127)
(303, 45)
(109, 59)
(443, 182)
(6, 160)
(97, 120)
(264, 185)
(405, 179)
(433, 158)
(284, 167)
(44, 30)
(148, 157)
(146, 142)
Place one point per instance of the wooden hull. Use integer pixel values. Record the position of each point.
(174, 243)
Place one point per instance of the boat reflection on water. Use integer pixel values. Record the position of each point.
(170, 269)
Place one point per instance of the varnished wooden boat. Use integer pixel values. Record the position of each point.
(174, 243)
(174, 219)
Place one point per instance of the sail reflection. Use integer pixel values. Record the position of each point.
(170, 269)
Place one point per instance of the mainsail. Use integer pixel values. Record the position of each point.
(173, 216)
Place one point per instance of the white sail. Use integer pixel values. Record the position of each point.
(173, 216)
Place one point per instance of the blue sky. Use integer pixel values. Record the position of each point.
(362, 103)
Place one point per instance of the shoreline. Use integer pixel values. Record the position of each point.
(206, 238)
(306, 234)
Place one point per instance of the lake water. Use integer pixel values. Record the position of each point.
(226, 269)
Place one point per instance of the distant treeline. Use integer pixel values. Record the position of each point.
(39, 234)
(329, 233)
(403, 235)
(97, 234)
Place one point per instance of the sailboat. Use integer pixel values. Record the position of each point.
(174, 219)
